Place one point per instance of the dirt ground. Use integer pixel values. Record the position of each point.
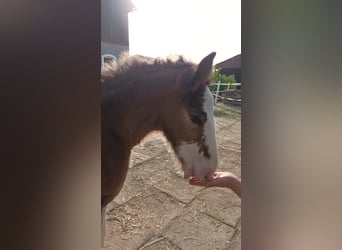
(158, 209)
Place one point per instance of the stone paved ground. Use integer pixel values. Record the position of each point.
(158, 209)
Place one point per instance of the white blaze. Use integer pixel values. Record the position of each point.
(195, 162)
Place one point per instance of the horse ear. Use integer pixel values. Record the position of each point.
(203, 71)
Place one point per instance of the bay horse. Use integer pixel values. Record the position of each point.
(140, 95)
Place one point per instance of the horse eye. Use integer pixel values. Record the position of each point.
(196, 119)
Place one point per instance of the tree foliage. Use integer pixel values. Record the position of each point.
(217, 76)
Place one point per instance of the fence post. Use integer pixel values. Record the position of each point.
(217, 91)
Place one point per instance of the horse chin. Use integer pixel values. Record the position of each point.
(204, 175)
(188, 172)
(200, 175)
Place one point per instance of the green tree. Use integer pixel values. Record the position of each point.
(216, 77)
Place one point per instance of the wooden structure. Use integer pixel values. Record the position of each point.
(231, 66)
(114, 26)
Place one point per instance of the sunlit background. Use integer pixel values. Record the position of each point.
(189, 27)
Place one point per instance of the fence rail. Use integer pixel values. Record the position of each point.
(107, 57)
(225, 94)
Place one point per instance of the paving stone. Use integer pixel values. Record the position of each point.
(235, 242)
(136, 221)
(140, 178)
(238, 227)
(199, 231)
(112, 205)
(158, 243)
(222, 124)
(152, 145)
(133, 187)
(124, 242)
(231, 129)
(163, 173)
(229, 157)
(219, 203)
(229, 161)
(229, 145)
(176, 187)
(157, 202)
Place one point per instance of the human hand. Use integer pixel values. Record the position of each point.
(220, 179)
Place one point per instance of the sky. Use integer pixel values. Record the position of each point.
(193, 28)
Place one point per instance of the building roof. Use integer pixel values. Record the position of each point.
(231, 63)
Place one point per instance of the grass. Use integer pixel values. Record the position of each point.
(222, 110)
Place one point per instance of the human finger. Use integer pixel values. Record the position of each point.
(194, 181)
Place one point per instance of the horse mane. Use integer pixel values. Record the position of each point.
(126, 66)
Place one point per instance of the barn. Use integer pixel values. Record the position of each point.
(231, 66)
(114, 26)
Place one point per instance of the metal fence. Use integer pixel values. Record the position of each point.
(107, 57)
(229, 92)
